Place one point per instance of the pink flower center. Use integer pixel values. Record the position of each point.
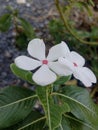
(75, 64)
(45, 62)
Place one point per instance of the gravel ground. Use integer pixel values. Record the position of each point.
(38, 13)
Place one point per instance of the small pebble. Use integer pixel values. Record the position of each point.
(4, 74)
(21, 1)
(7, 54)
(28, 4)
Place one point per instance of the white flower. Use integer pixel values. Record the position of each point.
(75, 62)
(48, 65)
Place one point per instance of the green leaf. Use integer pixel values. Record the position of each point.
(21, 40)
(29, 78)
(84, 5)
(53, 111)
(93, 34)
(23, 74)
(57, 26)
(83, 34)
(15, 104)
(61, 80)
(91, 3)
(34, 121)
(5, 22)
(80, 103)
(28, 29)
(64, 125)
(69, 122)
(56, 112)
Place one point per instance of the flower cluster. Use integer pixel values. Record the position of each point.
(59, 61)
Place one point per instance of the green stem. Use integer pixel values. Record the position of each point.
(61, 127)
(94, 91)
(43, 95)
(48, 108)
(68, 27)
(15, 23)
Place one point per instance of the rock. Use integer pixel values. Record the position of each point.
(28, 4)
(21, 1)
(7, 54)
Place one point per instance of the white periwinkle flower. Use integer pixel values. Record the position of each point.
(48, 65)
(75, 62)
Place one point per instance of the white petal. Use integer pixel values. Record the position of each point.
(57, 51)
(27, 63)
(59, 69)
(36, 48)
(66, 63)
(89, 74)
(83, 75)
(74, 57)
(43, 76)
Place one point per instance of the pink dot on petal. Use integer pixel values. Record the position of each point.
(75, 64)
(45, 62)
